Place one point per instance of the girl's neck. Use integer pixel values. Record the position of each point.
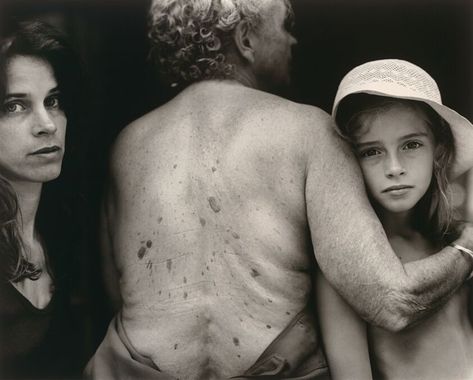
(28, 195)
(397, 224)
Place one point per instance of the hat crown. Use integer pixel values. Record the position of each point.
(392, 76)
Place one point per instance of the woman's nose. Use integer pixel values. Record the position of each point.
(43, 123)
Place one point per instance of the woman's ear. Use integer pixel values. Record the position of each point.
(244, 41)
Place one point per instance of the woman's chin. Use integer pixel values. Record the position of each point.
(37, 176)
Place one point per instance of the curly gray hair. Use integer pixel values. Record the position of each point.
(189, 38)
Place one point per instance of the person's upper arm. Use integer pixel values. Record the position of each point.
(350, 245)
(344, 335)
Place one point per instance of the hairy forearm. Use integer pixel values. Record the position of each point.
(426, 286)
(382, 290)
(433, 280)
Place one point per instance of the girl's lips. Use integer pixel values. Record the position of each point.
(398, 192)
(397, 188)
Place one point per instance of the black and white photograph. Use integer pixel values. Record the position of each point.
(236, 189)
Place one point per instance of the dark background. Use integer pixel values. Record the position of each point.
(334, 36)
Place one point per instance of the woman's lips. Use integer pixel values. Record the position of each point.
(47, 150)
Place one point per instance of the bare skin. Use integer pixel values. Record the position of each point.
(439, 347)
(213, 202)
(445, 337)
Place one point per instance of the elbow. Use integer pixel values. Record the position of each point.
(393, 322)
(397, 311)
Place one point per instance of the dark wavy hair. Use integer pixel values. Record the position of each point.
(37, 39)
(190, 39)
(433, 215)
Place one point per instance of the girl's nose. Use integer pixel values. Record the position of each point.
(394, 167)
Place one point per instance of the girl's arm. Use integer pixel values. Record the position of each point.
(344, 335)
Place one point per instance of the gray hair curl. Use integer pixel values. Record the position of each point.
(190, 38)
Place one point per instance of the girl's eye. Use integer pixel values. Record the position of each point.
(13, 107)
(369, 153)
(412, 145)
(52, 102)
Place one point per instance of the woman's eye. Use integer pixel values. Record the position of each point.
(289, 25)
(412, 145)
(289, 22)
(52, 102)
(369, 153)
(13, 107)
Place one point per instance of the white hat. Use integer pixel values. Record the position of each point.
(401, 79)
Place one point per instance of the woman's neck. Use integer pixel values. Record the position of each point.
(28, 195)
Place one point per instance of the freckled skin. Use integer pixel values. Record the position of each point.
(218, 232)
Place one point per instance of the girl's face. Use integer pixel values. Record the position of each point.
(32, 123)
(396, 154)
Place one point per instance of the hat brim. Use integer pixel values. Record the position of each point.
(461, 127)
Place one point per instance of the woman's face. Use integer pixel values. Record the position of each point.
(32, 122)
(396, 154)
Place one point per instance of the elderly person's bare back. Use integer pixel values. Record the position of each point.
(211, 234)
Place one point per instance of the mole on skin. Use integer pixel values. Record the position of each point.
(141, 252)
(213, 204)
